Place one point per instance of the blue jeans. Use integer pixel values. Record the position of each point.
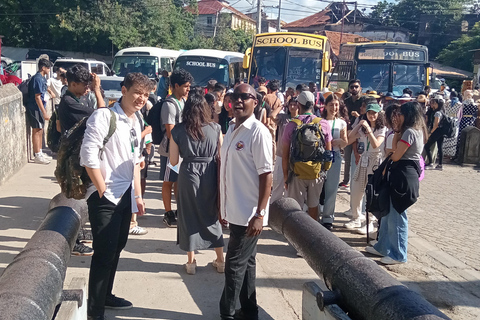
(331, 188)
(393, 235)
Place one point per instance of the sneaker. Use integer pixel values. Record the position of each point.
(439, 167)
(170, 220)
(328, 226)
(41, 159)
(79, 249)
(220, 266)
(191, 267)
(240, 315)
(372, 250)
(429, 167)
(363, 230)
(46, 156)
(373, 242)
(353, 224)
(344, 186)
(85, 236)
(388, 260)
(112, 302)
(138, 231)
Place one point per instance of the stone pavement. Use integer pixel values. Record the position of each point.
(152, 276)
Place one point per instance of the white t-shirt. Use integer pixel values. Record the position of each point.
(389, 140)
(337, 126)
(377, 133)
(56, 87)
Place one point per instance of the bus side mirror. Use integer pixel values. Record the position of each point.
(246, 58)
(326, 62)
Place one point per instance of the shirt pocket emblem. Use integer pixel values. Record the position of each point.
(240, 145)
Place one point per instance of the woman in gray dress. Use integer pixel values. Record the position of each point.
(195, 144)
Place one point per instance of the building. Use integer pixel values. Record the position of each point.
(268, 25)
(428, 26)
(213, 14)
(335, 38)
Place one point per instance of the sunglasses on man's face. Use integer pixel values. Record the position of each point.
(354, 87)
(243, 96)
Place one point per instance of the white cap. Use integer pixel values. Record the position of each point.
(305, 97)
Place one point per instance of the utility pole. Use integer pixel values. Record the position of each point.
(259, 16)
(343, 22)
(279, 12)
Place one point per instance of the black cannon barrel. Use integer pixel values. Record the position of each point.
(31, 286)
(366, 291)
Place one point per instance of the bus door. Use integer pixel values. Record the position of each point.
(343, 72)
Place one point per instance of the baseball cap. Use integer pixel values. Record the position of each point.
(374, 107)
(305, 97)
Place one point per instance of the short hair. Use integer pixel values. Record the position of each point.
(63, 75)
(427, 87)
(354, 81)
(44, 63)
(273, 85)
(180, 77)
(238, 80)
(301, 87)
(78, 74)
(408, 91)
(154, 82)
(137, 78)
(368, 100)
(220, 86)
(262, 80)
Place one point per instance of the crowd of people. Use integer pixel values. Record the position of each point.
(227, 153)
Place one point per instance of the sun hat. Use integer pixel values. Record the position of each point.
(304, 97)
(374, 107)
(373, 94)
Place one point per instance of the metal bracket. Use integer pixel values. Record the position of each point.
(326, 298)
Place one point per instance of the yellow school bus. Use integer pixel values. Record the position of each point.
(290, 57)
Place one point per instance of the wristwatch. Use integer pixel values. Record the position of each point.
(260, 214)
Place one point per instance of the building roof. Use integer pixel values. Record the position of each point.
(334, 38)
(214, 6)
(317, 19)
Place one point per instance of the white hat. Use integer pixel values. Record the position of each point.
(305, 97)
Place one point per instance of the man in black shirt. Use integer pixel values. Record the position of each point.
(353, 105)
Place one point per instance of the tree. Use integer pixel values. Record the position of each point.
(457, 54)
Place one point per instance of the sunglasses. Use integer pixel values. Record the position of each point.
(354, 87)
(133, 139)
(244, 96)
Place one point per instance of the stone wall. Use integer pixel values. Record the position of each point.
(13, 132)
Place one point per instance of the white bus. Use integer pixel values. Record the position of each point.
(147, 60)
(206, 64)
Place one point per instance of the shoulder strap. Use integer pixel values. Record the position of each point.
(142, 126)
(298, 122)
(111, 131)
(316, 120)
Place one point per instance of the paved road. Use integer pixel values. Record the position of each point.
(151, 270)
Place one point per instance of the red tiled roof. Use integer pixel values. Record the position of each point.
(334, 38)
(214, 6)
(319, 18)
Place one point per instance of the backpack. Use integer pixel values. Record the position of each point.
(377, 191)
(448, 126)
(53, 136)
(307, 150)
(154, 120)
(71, 176)
(23, 87)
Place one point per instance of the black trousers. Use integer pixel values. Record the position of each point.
(240, 275)
(110, 225)
(437, 136)
(348, 159)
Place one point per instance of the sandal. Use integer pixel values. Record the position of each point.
(220, 266)
(191, 267)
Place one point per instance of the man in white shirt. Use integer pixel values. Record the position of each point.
(245, 185)
(116, 191)
(55, 85)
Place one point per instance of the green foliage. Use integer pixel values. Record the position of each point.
(103, 26)
(457, 54)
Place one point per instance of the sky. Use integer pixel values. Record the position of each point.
(291, 9)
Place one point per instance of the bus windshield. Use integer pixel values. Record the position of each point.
(408, 76)
(374, 76)
(304, 66)
(268, 62)
(204, 69)
(148, 65)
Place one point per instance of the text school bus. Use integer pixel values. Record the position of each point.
(290, 57)
(382, 67)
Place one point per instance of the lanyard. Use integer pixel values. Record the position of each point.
(178, 102)
(333, 127)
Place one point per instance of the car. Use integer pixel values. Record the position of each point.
(6, 61)
(94, 66)
(34, 54)
(112, 88)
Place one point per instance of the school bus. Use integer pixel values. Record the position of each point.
(382, 67)
(290, 57)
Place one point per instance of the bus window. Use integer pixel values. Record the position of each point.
(374, 76)
(408, 76)
(166, 64)
(147, 65)
(97, 68)
(268, 62)
(204, 69)
(304, 66)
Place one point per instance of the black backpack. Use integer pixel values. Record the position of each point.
(53, 136)
(23, 87)
(377, 191)
(448, 125)
(154, 120)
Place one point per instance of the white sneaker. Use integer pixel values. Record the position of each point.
(191, 267)
(320, 208)
(46, 156)
(138, 231)
(388, 260)
(354, 224)
(373, 251)
(41, 159)
(363, 230)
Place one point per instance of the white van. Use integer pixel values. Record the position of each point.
(94, 66)
(206, 64)
(147, 60)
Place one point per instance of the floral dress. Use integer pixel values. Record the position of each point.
(450, 144)
(469, 113)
